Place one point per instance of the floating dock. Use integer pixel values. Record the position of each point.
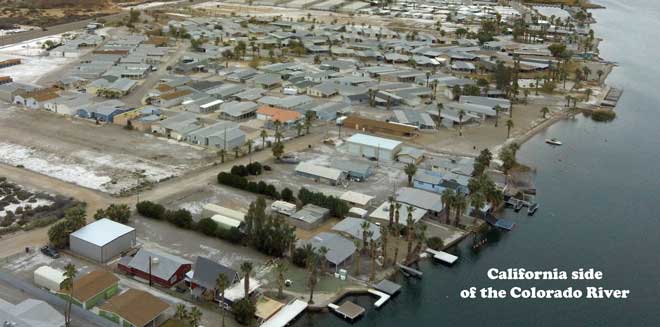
(348, 310)
(388, 287)
(411, 271)
(612, 97)
(382, 297)
(443, 256)
(287, 314)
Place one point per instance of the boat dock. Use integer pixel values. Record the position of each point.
(410, 271)
(612, 97)
(499, 223)
(382, 297)
(442, 256)
(388, 287)
(349, 310)
(287, 314)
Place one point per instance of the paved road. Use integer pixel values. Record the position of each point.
(135, 97)
(80, 316)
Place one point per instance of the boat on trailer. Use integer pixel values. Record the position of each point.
(553, 141)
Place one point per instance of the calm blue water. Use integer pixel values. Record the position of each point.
(599, 194)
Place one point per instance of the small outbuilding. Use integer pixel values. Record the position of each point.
(309, 217)
(331, 175)
(49, 278)
(373, 147)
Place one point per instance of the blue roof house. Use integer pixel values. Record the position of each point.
(429, 181)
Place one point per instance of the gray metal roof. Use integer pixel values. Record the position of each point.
(353, 227)
(163, 265)
(353, 166)
(340, 248)
(102, 232)
(311, 213)
(418, 198)
(206, 273)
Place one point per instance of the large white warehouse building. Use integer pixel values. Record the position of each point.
(373, 147)
(102, 240)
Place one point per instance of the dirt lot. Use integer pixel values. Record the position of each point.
(100, 157)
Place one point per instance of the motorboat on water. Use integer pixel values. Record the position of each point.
(553, 141)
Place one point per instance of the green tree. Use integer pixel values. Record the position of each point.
(120, 213)
(313, 260)
(461, 115)
(509, 126)
(67, 285)
(221, 284)
(447, 198)
(195, 317)
(263, 136)
(410, 170)
(281, 267)
(278, 150)
(309, 118)
(246, 269)
(544, 111)
(181, 312)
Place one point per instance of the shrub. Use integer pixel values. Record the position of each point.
(244, 311)
(287, 195)
(181, 218)
(254, 168)
(299, 257)
(120, 213)
(151, 210)
(603, 115)
(267, 168)
(207, 226)
(435, 243)
(233, 235)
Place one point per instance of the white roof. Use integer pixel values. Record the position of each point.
(374, 141)
(102, 232)
(51, 273)
(286, 314)
(383, 213)
(237, 291)
(283, 204)
(211, 104)
(237, 215)
(357, 198)
(226, 221)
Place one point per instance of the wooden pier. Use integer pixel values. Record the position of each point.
(612, 97)
(348, 310)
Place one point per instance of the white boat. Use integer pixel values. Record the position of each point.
(553, 141)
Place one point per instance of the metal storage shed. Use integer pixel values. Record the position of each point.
(102, 240)
(49, 278)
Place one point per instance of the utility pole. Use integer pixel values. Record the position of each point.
(150, 283)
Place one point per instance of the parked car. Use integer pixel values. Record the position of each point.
(50, 251)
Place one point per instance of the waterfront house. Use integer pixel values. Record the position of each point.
(93, 288)
(156, 267)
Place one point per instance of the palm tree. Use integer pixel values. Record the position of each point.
(410, 171)
(358, 246)
(420, 237)
(323, 251)
(383, 234)
(246, 269)
(299, 128)
(409, 235)
(509, 126)
(586, 71)
(397, 206)
(181, 312)
(221, 284)
(497, 113)
(600, 74)
(263, 136)
(236, 151)
(391, 211)
(278, 137)
(312, 266)
(448, 202)
(544, 111)
(281, 268)
(249, 143)
(440, 107)
(372, 273)
(460, 202)
(477, 201)
(461, 114)
(277, 124)
(222, 154)
(365, 232)
(195, 317)
(309, 118)
(67, 285)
